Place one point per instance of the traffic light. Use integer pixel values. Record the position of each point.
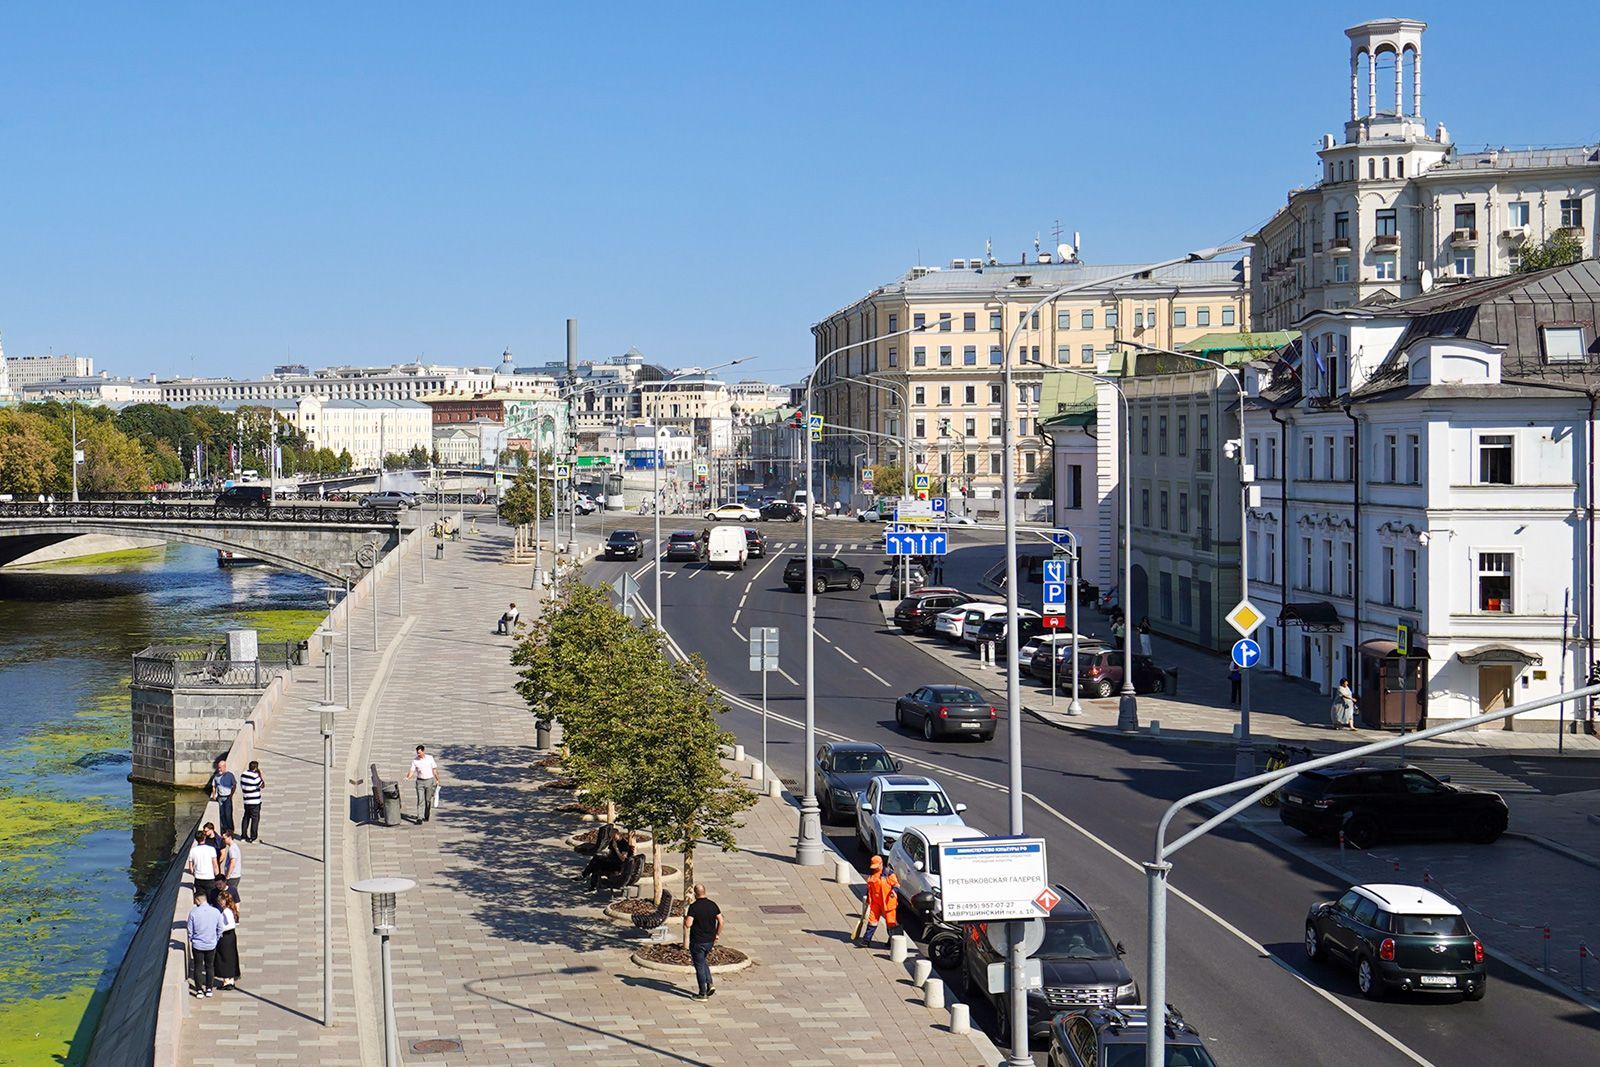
(797, 421)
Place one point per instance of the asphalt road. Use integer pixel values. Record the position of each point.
(1235, 965)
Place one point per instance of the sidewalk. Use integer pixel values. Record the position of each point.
(500, 956)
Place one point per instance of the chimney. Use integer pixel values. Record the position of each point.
(572, 348)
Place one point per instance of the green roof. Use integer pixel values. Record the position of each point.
(1234, 348)
(1066, 399)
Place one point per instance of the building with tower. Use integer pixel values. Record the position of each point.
(1399, 209)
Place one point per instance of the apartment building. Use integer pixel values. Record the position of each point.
(402, 381)
(1399, 210)
(95, 389)
(30, 370)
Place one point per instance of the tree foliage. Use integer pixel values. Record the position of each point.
(1558, 250)
(33, 454)
(522, 499)
(888, 479)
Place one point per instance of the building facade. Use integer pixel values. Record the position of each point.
(368, 429)
(29, 370)
(1398, 210)
(405, 381)
(96, 389)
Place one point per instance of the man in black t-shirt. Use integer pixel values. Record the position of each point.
(702, 925)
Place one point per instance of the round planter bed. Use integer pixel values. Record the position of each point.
(624, 910)
(674, 959)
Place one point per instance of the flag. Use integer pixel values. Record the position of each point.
(1322, 366)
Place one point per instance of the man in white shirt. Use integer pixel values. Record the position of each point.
(202, 865)
(426, 771)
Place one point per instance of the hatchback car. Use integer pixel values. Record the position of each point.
(843, 770)
(1399, 937)
(685, 544)
(915, 860)
(624, 544)
(1033, 658)
(1100, 673)
(947, 709)
(993, 630)
(733, 513)
(893, 803)
(780, 511)
(827, 572)
(1080, 964)
(755, 542)
(1369, 803)
(917, 612)
(950, 624)
(1115, 1037)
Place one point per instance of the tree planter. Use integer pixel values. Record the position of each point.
(584, 842)
(674, 959)
(624, 910)
(585, 812)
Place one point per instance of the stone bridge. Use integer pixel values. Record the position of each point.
(327, 541)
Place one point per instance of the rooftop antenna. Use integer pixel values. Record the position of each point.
(1055, 231)
(1036, 243)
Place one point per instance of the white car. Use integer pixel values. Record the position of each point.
(915, 860)
(733, 513)
(978, 614)
(894, 803)
(948, 623)
(1026, 653)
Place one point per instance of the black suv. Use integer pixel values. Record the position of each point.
(994, 631)
(624, 544)
(780, 511)
(685, 544)
(246, 496)
(1115, 1037)
(755, 543)
(1372, 802)
(915, 614)
(1400, 937)
(826, 573)
(1082, 967)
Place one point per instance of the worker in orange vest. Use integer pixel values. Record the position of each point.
(881, 900)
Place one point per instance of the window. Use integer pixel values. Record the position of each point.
(1063, 319)
(1138, 318)
(969, 463)
(1272, 555)
(944, 463)
(919, 396)
(1030, 462)
(1144, 435)
(972, 427)
(1161, 435)
(1202, 316)
(996, 426)
(921, 428)
(1466, 217)
(944, 322)
(1348, 558)
(1572, 213)
(894, 323)
(1385, 166)
(946, 358)
(969, 321)
(971, 394)
(1465, 262)
(919, 356)
(919, 320)
(1022, 426)
(1386, 573)
(1494, 459)
(1034, 323)
(1514, 259)
(1183, 513)
(894, 356)
(994, 463)
(1252, 554)
(1183, 435)
(944, 396)
(1414, 454)
(1227, 315)
(996, 356)
(1203, 519)
(1310, 563)
(1494, 581)
(1308, 458)
(1517, 213)
(1063, 353)
(1562, 344)
(1390, 474)
(1388, 222)
(969, 356)
(1383, 267)
(1341, 268)
(1074, 487)
(1327, 562)
(1086, 319)
(995, 322)
(1203, 441)
(1341, 226)
(1348, 473)
(1086, 354)
(1144, 507)
(1328, 457)
(1163, 496)
(1180, 316)
(1372, 168)
(1410, 556)
(1112, 317)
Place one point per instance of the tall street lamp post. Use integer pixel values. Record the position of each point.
(328, 711)
(383, 892)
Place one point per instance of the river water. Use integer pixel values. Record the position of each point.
(81, 847)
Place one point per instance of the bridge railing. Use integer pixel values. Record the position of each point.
(201, 666)
(343, 515)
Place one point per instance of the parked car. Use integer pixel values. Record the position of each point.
(947, 709)
(868, 514)
(387, 501)
(727, 547)
(1371, 802)
(584, 504)
(1033, 658)
(893, 803)
(245, 496)
(1080, 964)
(993, 629)
(915, 860)
(733, 513)
(624, 544)
(827, 572)
(1399, 938)
(755, 543)
(950, 624)
(685, 544)
(1115, 1037)
(905, 580)
(1100, 673)
(915, 614)
(780, 511)
(844, 769)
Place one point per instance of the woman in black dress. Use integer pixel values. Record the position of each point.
(228, 946)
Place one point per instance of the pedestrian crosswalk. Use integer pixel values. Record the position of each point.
(1473, 775)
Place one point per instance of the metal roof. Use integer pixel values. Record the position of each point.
(1041, 278)
(1517, 159)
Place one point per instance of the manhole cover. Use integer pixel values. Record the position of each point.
(783, 909)
(436, 1044)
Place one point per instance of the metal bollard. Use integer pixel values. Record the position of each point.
(541, 736)
(960, 1018)
(933, 993)
(774, 788)
(898, 948)
(921, 971)
(841, 872)
(1341, 848)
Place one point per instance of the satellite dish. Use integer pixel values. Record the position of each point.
(1066, 253)
(1426, 279)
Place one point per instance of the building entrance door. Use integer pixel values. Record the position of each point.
(1495, 689)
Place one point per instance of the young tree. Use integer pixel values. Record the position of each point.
(888, 479)
(1557, 250)
(520, 500)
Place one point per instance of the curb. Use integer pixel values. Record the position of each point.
(1556, 847)
(685, 968)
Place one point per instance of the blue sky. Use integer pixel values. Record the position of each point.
(204, 189)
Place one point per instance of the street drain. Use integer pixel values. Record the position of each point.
(436, 1044)
(783, 909)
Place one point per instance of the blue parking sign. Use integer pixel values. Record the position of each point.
(1055, 592)
(938, 505)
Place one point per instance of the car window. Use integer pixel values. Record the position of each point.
(825, 758)
(1080, 1035)
(1381, 922)
(1366, 911)
(1348, 902)
(915, 802)
(1435, 925)
(1075, 939)
(861, 762)
(953, 695)
(914, 848)
(1132, 1055)
(1419, 784)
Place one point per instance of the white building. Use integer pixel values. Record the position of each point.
(97, 389)
(1398, 210)
(473, 444)
(1445, 482)
(26, 370)
(367, 429)
(402, 381)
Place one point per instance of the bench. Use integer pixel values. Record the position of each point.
(627, 876)
(654, 923)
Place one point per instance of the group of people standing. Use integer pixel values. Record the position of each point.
(215, 865)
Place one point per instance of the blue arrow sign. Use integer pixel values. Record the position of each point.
(1055, 570)
(922, 543)
(1246, 653)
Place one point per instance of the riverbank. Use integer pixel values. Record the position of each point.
(94, 550)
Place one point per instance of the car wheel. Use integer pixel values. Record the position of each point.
(820, 585)
(1314, 949)
(944, 951)
(1360, 831)
(899, 716)
(1485, 830)
(1158, 684)
(1002, 1019)
(1367, 980)
(1102, 688)
(855, 583)
(927, 728)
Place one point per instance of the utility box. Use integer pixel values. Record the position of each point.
(242, 646)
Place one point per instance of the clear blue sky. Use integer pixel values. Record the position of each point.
(198, 188)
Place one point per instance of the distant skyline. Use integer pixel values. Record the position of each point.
(197, 190)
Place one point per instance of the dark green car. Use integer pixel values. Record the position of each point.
(1399, 938)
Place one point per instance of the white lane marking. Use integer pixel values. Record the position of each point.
(736, 618)
(727, 576)
(823, 637)
(848, 656)
(876, 675)
(785, 674)
(742, 597)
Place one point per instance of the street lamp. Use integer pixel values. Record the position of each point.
(329, 712)
(1244, 759)
(384, 893)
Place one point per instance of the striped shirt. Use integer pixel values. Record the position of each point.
(250, 787)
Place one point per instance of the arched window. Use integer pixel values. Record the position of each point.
(1341, 170)
(1400, 168)
(1385, 166)
(1372, 169)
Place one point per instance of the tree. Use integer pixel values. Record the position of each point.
(34, 455)
(1557, 250)
(344, 464)
(162, 461)
(519, 502)
(418, 456)
(112, 461)
(394, 461)
(888, 479)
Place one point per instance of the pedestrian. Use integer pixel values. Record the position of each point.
(202, 865)
(223, 783)
(1343, 711)
(838, 508)
(1118, 628)
(882, 901)
(702, 925)
(227, 959)
(251, 783)
(232, 864)
(205, 930)
(425, 769)
(1143, 632)
(1234, 680)
(937, 576)
(508, 621)
(608, 861)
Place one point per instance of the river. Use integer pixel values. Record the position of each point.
(81, 847)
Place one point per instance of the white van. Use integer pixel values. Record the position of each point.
(728, 547)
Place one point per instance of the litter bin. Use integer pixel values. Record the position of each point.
(391, 803)
(302, 653)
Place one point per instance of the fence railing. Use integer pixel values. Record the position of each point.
(192, 667)
(204, 512)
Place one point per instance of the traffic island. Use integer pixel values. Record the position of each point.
(675, 959)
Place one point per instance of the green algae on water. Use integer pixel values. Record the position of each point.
(148, 554)
(42, 1030)
(281, 624)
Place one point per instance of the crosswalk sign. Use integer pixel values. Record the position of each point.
(920, 482)
(815, 422)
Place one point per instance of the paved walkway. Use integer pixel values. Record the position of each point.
(499, 950)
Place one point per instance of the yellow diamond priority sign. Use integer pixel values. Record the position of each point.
(1245, 617)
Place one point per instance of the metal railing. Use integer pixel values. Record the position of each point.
(199, 666)
(204, 512)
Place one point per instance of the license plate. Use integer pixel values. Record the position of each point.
(1291, 798)
(1439, 979)
(969, 726)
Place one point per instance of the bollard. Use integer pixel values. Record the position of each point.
(960, 1018)
(738, 753)
(756, 771)
(921, 971)
(541, 736)
(774, 788)
(841, 872)
(1341, 848)
(1546, 950)
(933, 993)
(898, 948)
(1155, 727)
(1396, 866)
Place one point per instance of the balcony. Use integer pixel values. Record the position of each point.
(1339, 244)
(1569, 231)
(1386, 240)
(1464, 236)
(1297, 255)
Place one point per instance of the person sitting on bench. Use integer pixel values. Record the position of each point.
(612, 860)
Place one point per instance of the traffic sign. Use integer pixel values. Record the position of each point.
(1055, 570)
(992, 879)
(763, 648)
(1246, 653)
(1402, 639)
(1055, 598)
(920, 483)
(1055, 622)
(922, 543)
(866, 479)
(1245, 618)
(625, 587)
(1047, 899)
(1063, 539)
(815, 422)
(919, 511)
(563, 471)
(938, 505)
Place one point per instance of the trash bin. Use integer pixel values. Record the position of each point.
(302, 652)
(391, 803)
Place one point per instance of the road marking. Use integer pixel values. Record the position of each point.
(742, 597)
(823, 637)
(736, 619)
(785, 674)
(876, 675)
(848, 656)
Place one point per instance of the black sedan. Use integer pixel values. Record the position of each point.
(947, 709)
(624, 544)
(756, 544)
(686, 545)
(1399, 938)
(843, 770)
(1371, 802)
(780, 511)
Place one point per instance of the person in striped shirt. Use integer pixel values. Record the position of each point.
(250, 785)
